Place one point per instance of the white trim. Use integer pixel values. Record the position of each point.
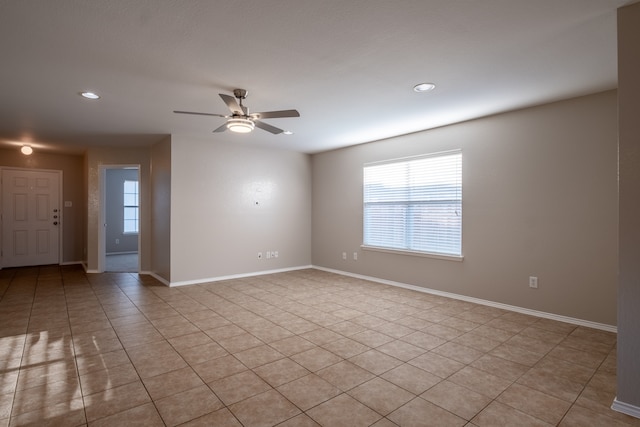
(72, 263)
(574, 321)
(625, 408)
(236, 276)
(158, 278)
(457, 258)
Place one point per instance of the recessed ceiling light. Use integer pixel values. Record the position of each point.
(424, 87)
(90, 95)
(288, 132)
(26, 150)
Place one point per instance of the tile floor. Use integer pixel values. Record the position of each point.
(301, 348)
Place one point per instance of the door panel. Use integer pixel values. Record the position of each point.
(31, 217)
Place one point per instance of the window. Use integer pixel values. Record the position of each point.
(415, 204)
(130, 206)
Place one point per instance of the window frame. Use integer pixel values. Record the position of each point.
(408, 225)
(126, 206)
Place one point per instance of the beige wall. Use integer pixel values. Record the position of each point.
(72, 185)
(628, 393)
(161, 210)
(539, 199)
(101, 156)
(229, 202)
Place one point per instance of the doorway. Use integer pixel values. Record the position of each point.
(121, 218)
(31, 217)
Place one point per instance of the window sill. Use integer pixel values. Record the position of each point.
(455, 258)
(130, 233)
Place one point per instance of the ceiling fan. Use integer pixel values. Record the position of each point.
(240, 120)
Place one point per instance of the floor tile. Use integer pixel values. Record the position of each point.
(308, 391)
(418, 411)
(292, 345)
(187, 405)
(498, 414)
(220, 418)
(424, 340)
(381, 395)
(221, 367)
(238, 387)
(115, 400)
(545, 382)
(411, 378)
(280, 372)
(343, 411)
(535, 403)
(143, 416)
(237, 343)
(100, 333)
(480, 381)
(436, 364)
(345, 375)
(401, 350)
(301, 420)
(258, 356)
(105, 379)
(202, 353)
(499, 367)
(62, 414)
(579, 416)
(173, 382)
(456, 399)
(316, 359)
(263, 410)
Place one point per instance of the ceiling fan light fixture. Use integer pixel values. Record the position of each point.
(240, 125)
(424, 87)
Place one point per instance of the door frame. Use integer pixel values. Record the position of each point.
(102, 213)
(60, 208)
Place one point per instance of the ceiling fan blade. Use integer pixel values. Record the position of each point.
(221, 128)
(276, 114)
(199, 114)
(231, 103)
(262, 125)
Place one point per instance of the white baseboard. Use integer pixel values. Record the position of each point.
(72, 263)
(573, 321)
(158, 278)
(235, 276)
(625, 408)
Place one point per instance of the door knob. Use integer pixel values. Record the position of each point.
(55, 222)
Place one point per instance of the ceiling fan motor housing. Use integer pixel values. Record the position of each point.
(240, 93)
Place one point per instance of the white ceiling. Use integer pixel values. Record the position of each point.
(348, 66)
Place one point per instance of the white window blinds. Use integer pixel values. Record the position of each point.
(415, 204)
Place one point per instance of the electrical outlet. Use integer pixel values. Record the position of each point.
(533, 282)
(259, 255)
(344, 255)
(117, 241)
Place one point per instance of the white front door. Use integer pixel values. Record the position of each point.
(31, 217)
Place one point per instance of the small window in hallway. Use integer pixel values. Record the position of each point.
(130, 206)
